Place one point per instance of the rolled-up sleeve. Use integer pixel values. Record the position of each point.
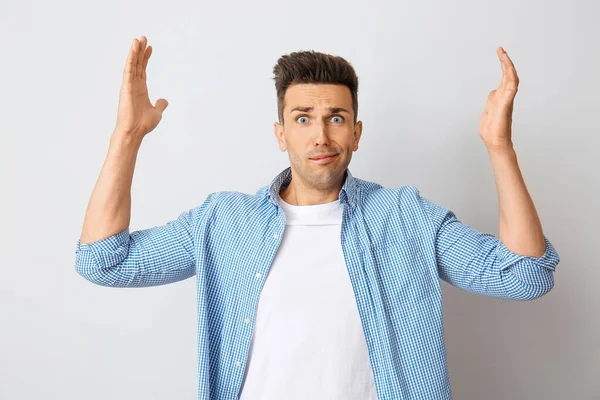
(480, 263)
(148, 257)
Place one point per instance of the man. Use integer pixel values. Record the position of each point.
(320, 285)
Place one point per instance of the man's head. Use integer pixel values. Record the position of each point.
(317, 101)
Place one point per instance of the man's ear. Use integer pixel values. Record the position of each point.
(278, 131)
(358, 127)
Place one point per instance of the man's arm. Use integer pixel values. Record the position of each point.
(107, 254)
(109, 208)
(481, 263)
(520, 228)
(149, 257)
(520, 263)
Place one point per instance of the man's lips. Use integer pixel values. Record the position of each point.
(324, 158)
(321, 156)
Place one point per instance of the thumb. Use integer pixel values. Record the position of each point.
(161, 104)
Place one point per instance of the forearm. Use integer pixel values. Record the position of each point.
(520, 228)
(109, 208)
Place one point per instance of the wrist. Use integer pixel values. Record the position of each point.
(124, 146)
(122, 139)
(500, 148)
(502, 157)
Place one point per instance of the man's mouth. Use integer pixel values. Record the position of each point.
(324, 158)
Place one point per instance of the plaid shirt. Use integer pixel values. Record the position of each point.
(396, 244)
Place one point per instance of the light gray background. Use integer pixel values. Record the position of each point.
(425, 69)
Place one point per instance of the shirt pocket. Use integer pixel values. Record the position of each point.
(403, 271)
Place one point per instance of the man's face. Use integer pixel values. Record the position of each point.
(318, 120)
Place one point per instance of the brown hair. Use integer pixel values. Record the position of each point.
(313, 67)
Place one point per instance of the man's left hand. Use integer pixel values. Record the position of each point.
(495, 125)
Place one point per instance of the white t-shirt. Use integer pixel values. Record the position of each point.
(308, 341)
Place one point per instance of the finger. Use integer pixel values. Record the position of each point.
(129, 71)
(136, 53)
(161, 104)
(146, 58)
(500, 52)
(507, 60)
(510, 78)
(140, 56)
(513, 76)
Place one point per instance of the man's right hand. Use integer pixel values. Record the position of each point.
(136, 115)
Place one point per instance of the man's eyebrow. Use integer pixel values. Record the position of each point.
(330, 109)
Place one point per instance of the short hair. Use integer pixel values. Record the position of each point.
(313, 67)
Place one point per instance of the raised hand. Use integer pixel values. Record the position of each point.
(496, 121)
(136, 114)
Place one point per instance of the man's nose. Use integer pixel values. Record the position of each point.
(322, 134)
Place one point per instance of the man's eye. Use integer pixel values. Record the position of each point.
(299, 119)
(340, 119)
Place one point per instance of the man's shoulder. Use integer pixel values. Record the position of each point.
(232, 203)
(231, 198)
(375, 192)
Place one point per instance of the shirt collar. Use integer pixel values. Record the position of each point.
(348, 192)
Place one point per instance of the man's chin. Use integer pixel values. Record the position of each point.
(324, 175)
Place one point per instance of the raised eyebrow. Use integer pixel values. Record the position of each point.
(330, 109)
(337, 110)
(301, 109)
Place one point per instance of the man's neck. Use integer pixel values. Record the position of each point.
(299, 194)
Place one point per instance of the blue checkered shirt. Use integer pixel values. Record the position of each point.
(396, 244)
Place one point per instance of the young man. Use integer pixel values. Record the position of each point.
(321, 285)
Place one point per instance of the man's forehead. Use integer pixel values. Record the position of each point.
(317, 96)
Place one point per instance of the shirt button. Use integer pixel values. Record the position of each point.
(237, 363)
(258, 275)
(352, 204)
(247, 321)
(275, 236)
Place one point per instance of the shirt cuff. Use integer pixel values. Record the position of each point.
(549, 260)
(108, 251)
